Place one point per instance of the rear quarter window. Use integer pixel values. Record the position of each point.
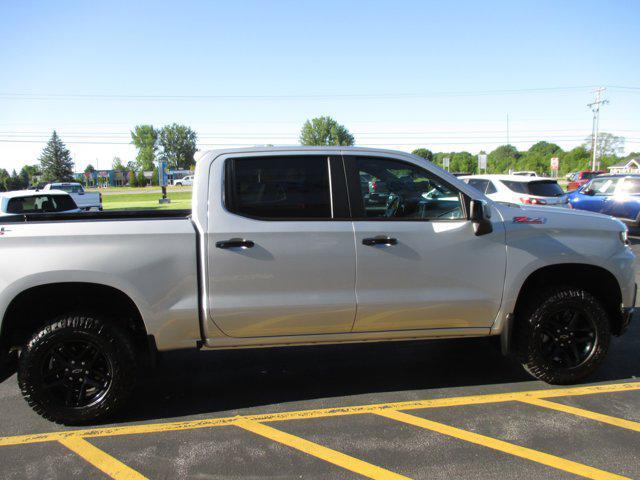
(40, 204)
(545, 189)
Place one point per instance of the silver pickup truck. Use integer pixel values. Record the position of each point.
(284, 246)
(86, 201)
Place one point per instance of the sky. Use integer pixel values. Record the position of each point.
(443, 75)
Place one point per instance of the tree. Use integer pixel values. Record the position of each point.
(502, 159)
(142, 182)
(117, 165)
(145, 138)
(28, 174)
(132, 179)
(5, 178)
(424, 153)
(16, 181)
(608, 145)
(323, 131)
(178, 143)
(89, 169)
(55, 161)
(575, 159)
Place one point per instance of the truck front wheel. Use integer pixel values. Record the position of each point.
(561, 335)
(77, 369)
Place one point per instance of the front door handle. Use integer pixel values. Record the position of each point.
(379, 241)
(235, 243)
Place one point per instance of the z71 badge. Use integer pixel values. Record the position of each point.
(530, 220)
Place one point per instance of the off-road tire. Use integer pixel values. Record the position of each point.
(113, 344)
(537, 309)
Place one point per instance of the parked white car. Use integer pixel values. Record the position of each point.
(84, 200)
(184, 181)
(519, 189)
(23, 202)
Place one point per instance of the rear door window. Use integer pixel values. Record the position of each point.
(630, 186)
(479, 184)
(518, 187)
(273, 188)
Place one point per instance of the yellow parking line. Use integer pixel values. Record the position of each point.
(502, 446)
(320, 413)
(600, 417)
(101, 460)
(328, 455)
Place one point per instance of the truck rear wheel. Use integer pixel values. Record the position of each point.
(77, 369)
(561, 335)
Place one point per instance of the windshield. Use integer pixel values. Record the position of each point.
(590, 175)
(543, 188)
(69, 188)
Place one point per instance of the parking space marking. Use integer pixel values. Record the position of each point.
(101, 460)
(320, 413)
(600, 417)
(327, 454)
(502, 446)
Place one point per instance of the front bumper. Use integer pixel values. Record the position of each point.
(627, 315)
(629, 312)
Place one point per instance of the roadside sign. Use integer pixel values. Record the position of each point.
(555, 163)
(482, 162)
(445, 162)
(162, 173)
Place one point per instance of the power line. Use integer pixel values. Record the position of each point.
(367, 96)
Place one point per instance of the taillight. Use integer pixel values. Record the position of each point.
(374, 186)
(532, 201)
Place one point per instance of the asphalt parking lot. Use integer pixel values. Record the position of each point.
(440, 409)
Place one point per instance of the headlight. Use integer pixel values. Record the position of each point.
(624, 236)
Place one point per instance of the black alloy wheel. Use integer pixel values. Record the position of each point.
(77, 369)
(561, 334)
(76, 373)
(567, 338)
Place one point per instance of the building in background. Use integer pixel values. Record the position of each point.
(628, 166)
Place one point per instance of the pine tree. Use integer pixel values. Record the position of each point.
(55, 161)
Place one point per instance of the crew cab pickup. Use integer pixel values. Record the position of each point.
(86, 201)
(285, 246)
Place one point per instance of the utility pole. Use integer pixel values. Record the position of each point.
(507, 129)
(595, 108)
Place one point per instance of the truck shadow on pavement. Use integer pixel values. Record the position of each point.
(195, 383)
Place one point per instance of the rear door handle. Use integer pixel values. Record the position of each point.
(235, 243)
(379, 241)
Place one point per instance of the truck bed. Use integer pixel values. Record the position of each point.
(97, 216)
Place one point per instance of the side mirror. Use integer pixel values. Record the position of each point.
(480, 215)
